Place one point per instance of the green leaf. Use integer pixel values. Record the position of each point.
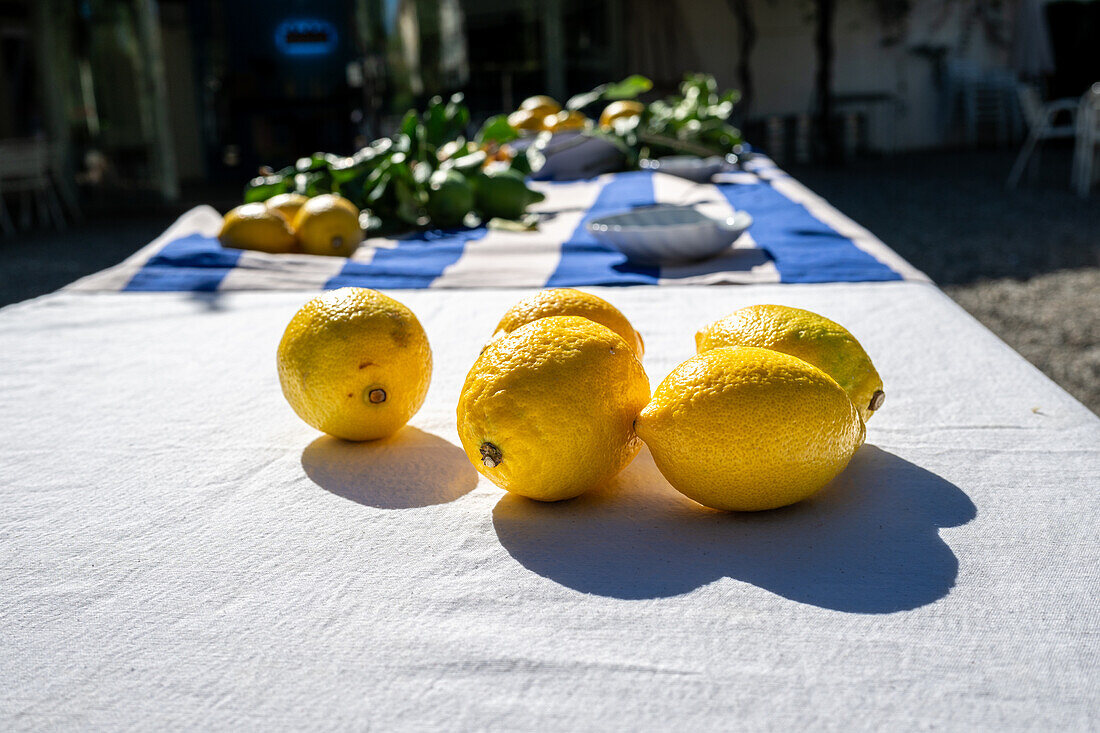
(401, 143)
(408, 124)
(353, 192)
(369, 222)
(313, 183)
(435, 123)
(343, 170)
(628, 88)
(527, 223)
(467, 164)
(456, 147)
(458, 114)
(311, 163)
(262, 188)
(410, 205)
(496, 130)
(381, 146)
(521, 163)
(422, 171)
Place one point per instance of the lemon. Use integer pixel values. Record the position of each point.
(450, 198)
(503, 193)
(525, 119)
(570, 302)
(547, 411)
(355, 363)
(328, 225)
(620, 109)
(254, 226)
(564, 121)
(810, 337)
(287, 204)
(746, 429)
(540, 103)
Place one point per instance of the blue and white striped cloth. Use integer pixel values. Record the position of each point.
(796, 237)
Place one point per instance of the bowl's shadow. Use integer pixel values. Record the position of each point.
(868, 543)
(409, 469)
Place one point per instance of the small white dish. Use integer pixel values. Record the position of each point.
(571, 156)
(667, 234)
(691, 167)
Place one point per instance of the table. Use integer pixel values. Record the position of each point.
(177, 549)
(796, 237)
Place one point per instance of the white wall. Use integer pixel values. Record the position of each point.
(183, 114)
(784, 60)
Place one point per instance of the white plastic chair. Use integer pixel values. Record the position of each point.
(25, 168)
(1040, 125)
(1088, 138)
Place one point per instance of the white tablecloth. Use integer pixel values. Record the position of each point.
(796, 237)
(177, 549)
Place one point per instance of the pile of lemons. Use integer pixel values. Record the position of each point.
(290, 222)
(544, 114)
(770, 409)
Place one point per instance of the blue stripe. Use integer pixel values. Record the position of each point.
(193, 263)
(585, 261)
(805, 249)
(416, 261)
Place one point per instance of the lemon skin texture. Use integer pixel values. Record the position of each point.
(547, 411)
(540, 103)
(747, 429)
(528, 120)
(287, 204)
(570, 302)
(355, 364)
(565, 121)
(813, 338)
(328, 225)
(618, 110)
(254, 226)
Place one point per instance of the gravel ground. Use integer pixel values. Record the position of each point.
(1053, 320)
(1026, 263)
(41, 261)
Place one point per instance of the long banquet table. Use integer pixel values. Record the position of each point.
(178, 550)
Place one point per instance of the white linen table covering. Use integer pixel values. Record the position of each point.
(796, 237)
(178, 550)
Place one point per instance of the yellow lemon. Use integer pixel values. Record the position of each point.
(570, 302)
(746, 429)
(328, 225)
(355, 363)
(620, 109)
(540, 103)
(525, 119)
(810, 337)
(287, 204)
(547, 411)
(564, 121)
(254, 226)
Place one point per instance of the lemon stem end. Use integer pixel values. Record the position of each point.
(490, 455)
(876, 400)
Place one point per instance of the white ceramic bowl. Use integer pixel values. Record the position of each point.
(569, 156)
(690, 167)
(667, 234)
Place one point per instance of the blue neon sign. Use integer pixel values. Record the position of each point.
(305, 37)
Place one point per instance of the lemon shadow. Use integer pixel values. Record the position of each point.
(409, 469)
(868, 543)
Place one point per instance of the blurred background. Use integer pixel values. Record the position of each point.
(911, 116)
